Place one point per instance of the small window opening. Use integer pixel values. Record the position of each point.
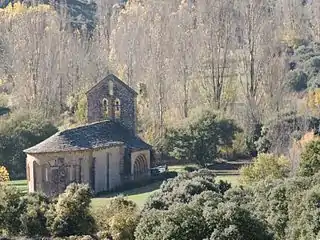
(110, 86)
(105, 105)
(117, 108)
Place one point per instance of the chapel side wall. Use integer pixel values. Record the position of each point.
(46, 161)
(101, 168)
(115, 167)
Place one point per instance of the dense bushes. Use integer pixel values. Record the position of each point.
(33, 218)
(194, 206)
(265, 166)
(182, 188)
(34, 215)
(270, 209)
(305, 68)
(117, 219)
(71, 214)
(17, 133)
(310, 159)
(200, 142)
(10, 209)
(278, 132)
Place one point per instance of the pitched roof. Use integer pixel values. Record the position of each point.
(116, 79)
(96, 135)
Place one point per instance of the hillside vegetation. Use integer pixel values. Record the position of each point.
(216, 80)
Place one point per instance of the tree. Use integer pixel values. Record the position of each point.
(19, 132)
(10, 209)
(193, 206)
(71, 214)
(118, 219)
(33, 219)
(265, 166)
(215, 27)
(200, 141)
(310, 160)
(183, 188)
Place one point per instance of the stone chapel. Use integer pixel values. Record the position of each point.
(105, 153)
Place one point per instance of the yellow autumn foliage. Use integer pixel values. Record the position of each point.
(20, 9)
(313, 101)
(4, 174)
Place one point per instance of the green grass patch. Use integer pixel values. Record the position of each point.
(138, 195)
(21, 184)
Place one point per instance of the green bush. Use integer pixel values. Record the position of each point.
(263, 167)
(310, 159)
(194, 206)
(33, 219)
(297, 80)
(181, 221)
(10, 209)
(17, 133)
(71, 214)
(182, 188)
(290, 206)
(200, 142)
(118, 219)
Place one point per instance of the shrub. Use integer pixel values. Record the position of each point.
(10, 209)
(193, 206)
(4, 175)
(200, 142)
(17, 133)
(179, 222)
(310, 159)
(232, 222)
(118, 220)
(71, 214)
(182, 188)
(297, 80)
(33, 219)
(263, 144)
(265, 166)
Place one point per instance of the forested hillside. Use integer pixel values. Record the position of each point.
(254, 61)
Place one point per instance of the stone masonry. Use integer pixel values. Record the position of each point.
(122, 99)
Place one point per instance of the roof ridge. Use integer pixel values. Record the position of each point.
(115, 78)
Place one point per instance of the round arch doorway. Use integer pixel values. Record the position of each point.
(140, 167)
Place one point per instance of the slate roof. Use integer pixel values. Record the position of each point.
(115, 79)
(96, 135)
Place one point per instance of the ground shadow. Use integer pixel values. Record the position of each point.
(146, 189)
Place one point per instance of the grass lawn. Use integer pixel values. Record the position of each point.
(21, 184)
(138, 195)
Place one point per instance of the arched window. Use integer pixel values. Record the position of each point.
(110, 87)
(105, 105)
(117, 108)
